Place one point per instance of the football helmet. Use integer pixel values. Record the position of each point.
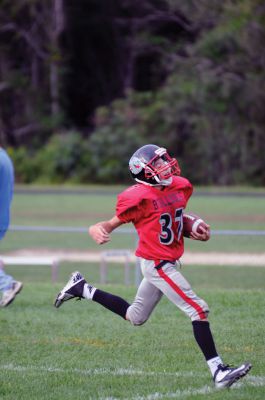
(153, 166)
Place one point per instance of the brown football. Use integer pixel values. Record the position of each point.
(192, 223)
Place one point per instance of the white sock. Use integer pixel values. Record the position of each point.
(213, 364)
(88, 291)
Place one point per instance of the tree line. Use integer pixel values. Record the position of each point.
(83, 83)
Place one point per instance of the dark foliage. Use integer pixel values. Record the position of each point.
(185, 74)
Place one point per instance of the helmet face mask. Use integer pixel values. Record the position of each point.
(152, 165)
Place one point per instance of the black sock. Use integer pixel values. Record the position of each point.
(204, 338)
(113, 303)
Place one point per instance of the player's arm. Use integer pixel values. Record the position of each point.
(100, 232)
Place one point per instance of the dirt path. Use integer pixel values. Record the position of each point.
(189, 258)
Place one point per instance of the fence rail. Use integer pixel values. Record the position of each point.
(74, 229)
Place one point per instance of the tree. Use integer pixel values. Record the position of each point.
(180, 73)
(29, 67)
(209, 110)
(114, 46)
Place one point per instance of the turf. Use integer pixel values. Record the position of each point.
(73, 208)
(83, 351)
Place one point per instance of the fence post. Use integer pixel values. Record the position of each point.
(107, 255)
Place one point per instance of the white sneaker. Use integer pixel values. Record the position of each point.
(73, 288)
(10, 294)
(225, 376)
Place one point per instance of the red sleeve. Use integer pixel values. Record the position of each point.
(131, 215)
(184, 185)
(128, 208)
(188, 190)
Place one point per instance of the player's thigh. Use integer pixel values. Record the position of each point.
(178, 290)
(146, 299)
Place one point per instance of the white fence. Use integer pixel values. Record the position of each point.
(122, 256)
(73, 229)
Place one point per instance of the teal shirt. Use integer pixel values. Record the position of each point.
(6, 190)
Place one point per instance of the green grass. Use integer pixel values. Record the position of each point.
(82, 351)
(96, 203)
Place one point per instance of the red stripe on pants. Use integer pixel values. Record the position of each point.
(177, 289)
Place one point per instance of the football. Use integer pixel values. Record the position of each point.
(192, 223)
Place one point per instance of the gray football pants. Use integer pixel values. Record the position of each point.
(168, 281)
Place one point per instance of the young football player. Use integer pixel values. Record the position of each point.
(8, 286)
(155, 206)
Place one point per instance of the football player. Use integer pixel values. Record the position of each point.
(155, 206)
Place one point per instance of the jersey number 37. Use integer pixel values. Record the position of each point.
(167, 234)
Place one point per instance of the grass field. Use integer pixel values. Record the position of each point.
(82, 351)
(81, 209)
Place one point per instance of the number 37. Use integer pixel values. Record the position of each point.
(167, 234)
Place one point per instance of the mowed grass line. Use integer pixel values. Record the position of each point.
(83, 351)
(201, 277)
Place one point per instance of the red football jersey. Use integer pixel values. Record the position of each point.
(157, 216)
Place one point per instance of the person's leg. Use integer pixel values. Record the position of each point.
(9, 288)
(146, 299)
(137, 313)
(6, 191)
(204, 339)
(173, 285)
(5, 280)
(110, 301)
(177, 289)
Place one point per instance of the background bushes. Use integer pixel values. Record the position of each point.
(89, 82)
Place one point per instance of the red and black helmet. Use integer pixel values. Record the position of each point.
(142, 166)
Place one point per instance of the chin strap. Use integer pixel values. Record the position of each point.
(164, 182)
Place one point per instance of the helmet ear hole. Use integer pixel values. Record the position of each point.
(135, 165)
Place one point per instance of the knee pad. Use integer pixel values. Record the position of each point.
(195, 316)
(134, 317)
(137, 323)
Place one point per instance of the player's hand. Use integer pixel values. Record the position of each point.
(203, 235)
(99, 234)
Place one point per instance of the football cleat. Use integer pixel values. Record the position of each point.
(10, 294)
(73, 288)
(226, 376)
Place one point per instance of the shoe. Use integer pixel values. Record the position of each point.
(225, 375)
(73, 288)
(10, 294)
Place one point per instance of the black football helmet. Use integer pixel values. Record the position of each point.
(143, 168)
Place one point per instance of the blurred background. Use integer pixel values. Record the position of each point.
(84, 83)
